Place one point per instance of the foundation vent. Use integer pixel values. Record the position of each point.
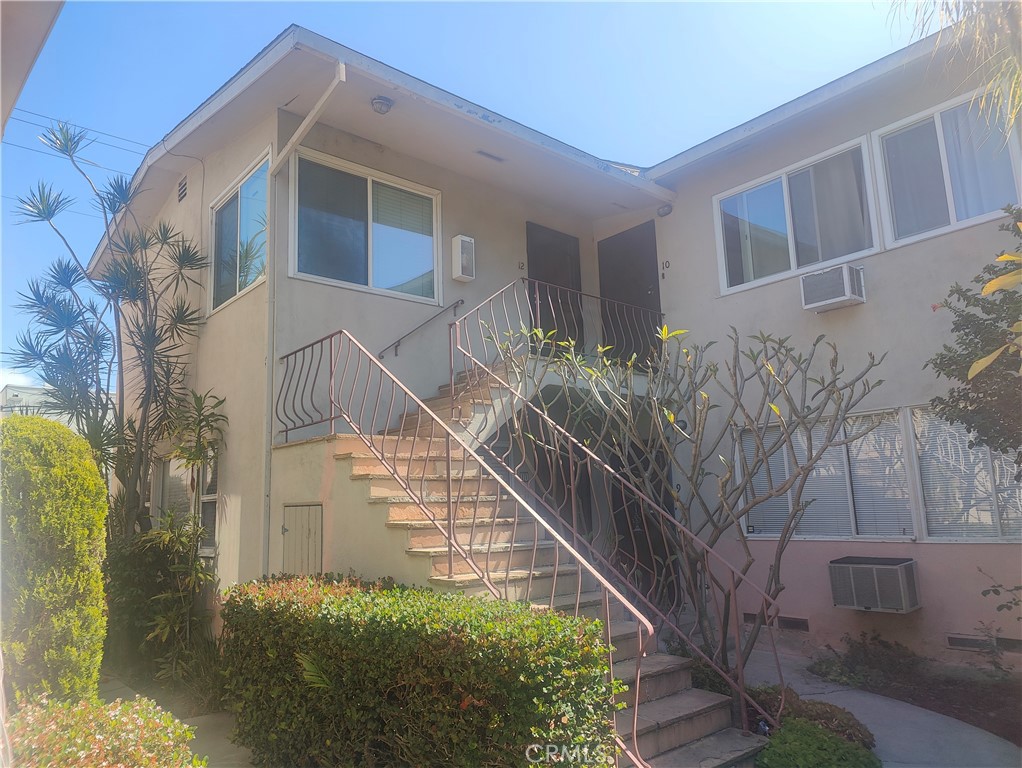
(883, 584)
(783, 622)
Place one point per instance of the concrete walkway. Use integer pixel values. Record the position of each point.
(906, 736)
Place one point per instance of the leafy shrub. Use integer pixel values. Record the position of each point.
(326, 672)
(799, 743)
(54, 511)
(835, 719)
(869, 662)
(124, 734)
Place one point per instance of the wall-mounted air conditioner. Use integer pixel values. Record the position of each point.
(884, 584)
(833, 288)
(463, 254)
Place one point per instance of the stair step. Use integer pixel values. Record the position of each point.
(416, 466)
(385, 484)
(624, 636)
(518, 586)
(729, 748)
(673, 721)
(662, 675)
(422, 533)
(494, 558)
(405, 508)
(589, 604)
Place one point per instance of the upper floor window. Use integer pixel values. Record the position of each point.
(239, 237)
(361, 230)
(806, 216)
(949, 167)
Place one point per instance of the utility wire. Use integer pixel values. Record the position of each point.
(54, 154)
(91, 130)
(97, 141)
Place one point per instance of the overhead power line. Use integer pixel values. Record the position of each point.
(84, 128)
(54, 154)
(97, 141)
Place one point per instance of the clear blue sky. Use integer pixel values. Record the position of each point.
(635, 83)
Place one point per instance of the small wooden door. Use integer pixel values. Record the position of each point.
(303, 539)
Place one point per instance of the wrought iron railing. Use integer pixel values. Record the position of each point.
(396, 344)
(503, 365)
(490, 529)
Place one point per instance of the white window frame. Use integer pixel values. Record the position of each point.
(916, 498)
(868, 181)
(370, 175)
(886, 211)
(218, 202)
(206, 551)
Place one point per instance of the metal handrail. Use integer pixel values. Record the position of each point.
(397, 344)
(503, 313)
(383, 412)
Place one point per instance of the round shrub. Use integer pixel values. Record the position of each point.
(799, 743)
(124, 734)
(52, 537)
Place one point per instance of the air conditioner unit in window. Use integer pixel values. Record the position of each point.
(463, 252)
(833, 288)
(884, 584)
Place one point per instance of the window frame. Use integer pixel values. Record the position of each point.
(862, 142)
(876, 138)
(371, 176)
(204, 498)
(218, 202)
(916, 497)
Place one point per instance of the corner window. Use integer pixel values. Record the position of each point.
(239, 237)
(804, 217)
(947, 168)
(357, 229)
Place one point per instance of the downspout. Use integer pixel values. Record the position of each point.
(271, 296)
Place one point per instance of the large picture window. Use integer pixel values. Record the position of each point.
(239, 237)
(807, 216)
(864, 488)
(356, 229)
(947, 168)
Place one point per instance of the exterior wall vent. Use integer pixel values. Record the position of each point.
(783, 622)
(983, 644)
(182, 189)
(882, 584)
(463, 255)
(833, 288)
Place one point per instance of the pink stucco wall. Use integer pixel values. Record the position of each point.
(949, 591)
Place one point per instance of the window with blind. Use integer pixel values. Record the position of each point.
(859, 489)
(967, 492)
(360, 230)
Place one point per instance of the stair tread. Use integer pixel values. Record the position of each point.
(482, 548)
(654, 664)
(515, 574)
(435, 499)
(478, 522)
(384, 475)
(718, 750)
(679, 706)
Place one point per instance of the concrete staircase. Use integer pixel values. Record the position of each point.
(677, 726)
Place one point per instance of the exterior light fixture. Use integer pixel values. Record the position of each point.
(381, 105)
(664, 210)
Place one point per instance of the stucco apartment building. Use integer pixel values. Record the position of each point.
(329, 191)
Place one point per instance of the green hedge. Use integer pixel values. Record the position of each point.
(333, 673)
(800, 743)
(124, 734)
(54, 511)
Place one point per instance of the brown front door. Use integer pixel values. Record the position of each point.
(630, 286)
(554, 263)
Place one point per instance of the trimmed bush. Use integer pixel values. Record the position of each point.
(322, 672)
(124, 734)
(835, 719)
(54, 511)
(799, 743)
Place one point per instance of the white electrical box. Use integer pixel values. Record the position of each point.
(463, 254)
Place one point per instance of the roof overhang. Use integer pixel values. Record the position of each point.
(295, 71)
(24, 27)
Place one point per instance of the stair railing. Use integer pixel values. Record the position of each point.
(396, 344)
(499, 363)
(490, 531)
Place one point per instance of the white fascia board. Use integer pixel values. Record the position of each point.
(833, 90)
(256, 68)
(416, 88)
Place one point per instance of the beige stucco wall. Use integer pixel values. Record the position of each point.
(901, 285)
